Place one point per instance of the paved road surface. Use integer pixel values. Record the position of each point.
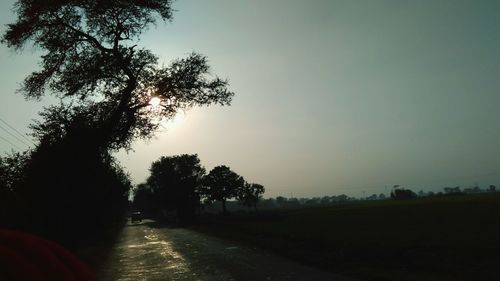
(146, 252)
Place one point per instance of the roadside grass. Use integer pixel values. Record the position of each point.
(440, 238)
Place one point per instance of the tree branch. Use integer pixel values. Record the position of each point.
(89, 38)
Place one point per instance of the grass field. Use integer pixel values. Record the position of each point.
(441, 238)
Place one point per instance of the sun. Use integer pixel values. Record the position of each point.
(172, 122)
(155, 101)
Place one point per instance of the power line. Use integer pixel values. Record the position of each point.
(14, 136)
(15, 130)
(20, 149)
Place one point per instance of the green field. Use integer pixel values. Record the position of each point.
(441, 238)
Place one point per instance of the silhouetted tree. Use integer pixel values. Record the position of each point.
(250, 193)
(175, 181)
(12, 168)
(452, 190)
(145, 201)
(401, 193)
(325, 200)
(73, 190)
(474, 189)
(341, 198)
(106, 84)
(92, 59)
(221, 184)
(280, 200)
(311, 201)
(492, 188)
(65, 188)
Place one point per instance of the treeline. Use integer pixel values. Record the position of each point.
(406, 193)
(178, 185)
(398, 193)
(282, 201)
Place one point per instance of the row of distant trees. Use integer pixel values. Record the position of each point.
(404, 193)
(178, 184)
(398, 192)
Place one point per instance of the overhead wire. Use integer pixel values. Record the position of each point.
(28, 142)
(11, 143)
(14, 136)
(15, 130)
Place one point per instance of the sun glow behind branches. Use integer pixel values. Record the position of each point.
(155, 102)
(173, 122)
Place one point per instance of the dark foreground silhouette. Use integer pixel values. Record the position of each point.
(69, 187)
(25, 257)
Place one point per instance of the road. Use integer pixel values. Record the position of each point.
(146, 251)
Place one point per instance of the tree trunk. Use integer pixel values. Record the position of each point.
(224, 210)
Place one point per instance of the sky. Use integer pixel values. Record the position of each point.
(332, 97)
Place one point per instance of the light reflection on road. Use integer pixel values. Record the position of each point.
(175, 261)
(141, 255)
(146, 252)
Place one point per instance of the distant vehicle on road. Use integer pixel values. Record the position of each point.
(136, 217)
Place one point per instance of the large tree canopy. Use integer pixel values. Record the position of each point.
(175, 181)
(92, 58)
(70, 185)
(221, 184)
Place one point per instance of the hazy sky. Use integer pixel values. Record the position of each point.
(331, 96)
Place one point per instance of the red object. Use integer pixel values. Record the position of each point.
(25, 257)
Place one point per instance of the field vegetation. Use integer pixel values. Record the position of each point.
(437, 238)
